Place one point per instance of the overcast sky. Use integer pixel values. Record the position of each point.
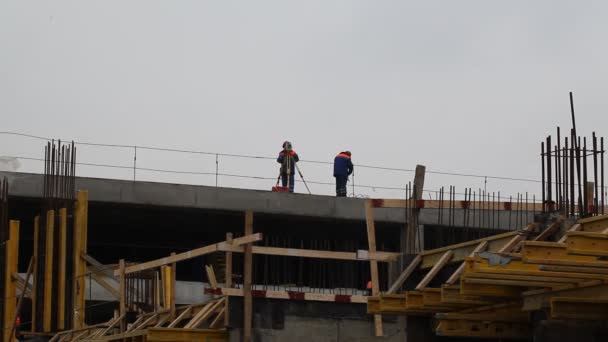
(459, 86)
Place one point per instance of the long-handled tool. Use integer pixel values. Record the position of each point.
(301, 176)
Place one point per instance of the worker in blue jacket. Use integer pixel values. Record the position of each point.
(288, 159)
(343, 167)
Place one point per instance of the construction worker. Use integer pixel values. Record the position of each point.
(288, 159)
(343, 167)
(369, 288)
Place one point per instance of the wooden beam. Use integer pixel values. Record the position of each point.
(220, 317)
(103, 283)
(248, 238)
(464, 249)
(211, 276)
(577, 227)
(81, 213)
(98, 267)
(228, 280)
(445, 258)
(203, 315)
(181, 316)
(405, 274)
(360, 255)
(248, 267)
(509, 246)
(412, 244)
(456, 275)
(61, 268)
(10, 286)
(48, 271)
(182, 256)
(173, 287)
(549, 231)
(371, 240)
(122, 289)
(33, 296)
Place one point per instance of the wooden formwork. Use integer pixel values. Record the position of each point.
(494, 292)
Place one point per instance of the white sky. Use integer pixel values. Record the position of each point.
(459, 86)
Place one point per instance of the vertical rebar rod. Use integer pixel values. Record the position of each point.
(549, 175)
(595, 179)
(571, 160)
(578, 176)
(585, 191)
(602, 173)
(565, 167)
(542, 159)
(217, 168)
(558, 171)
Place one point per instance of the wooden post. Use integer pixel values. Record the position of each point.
(590, 198)
(228, 280)
(248, 265)
(121, 289)
(10, 285)
(61, 269)
(48, 271)
(412, 243)
(172, 292)
(80, 248)
(34, 285)
(371, 239)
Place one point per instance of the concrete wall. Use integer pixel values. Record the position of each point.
(307, 329)
(229, 199)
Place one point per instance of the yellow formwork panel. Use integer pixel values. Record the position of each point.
(468, 287)
(393, 303)
(373, 304)
(594, 224)
(575, 308)
(451, 294)
(553, 253)
(584, 243)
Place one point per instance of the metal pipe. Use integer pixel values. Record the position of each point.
(572, 196)
(602, 173)
(558, 171)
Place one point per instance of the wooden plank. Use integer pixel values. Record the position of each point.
(10, 286)
(228, 280)
(211, 276)
(33, 296)
(172, 288)
(463, 250)
(181, 316)
(360, 255)
(113, 291)
(412, 244)
(61, 268)
(456, 275)
(445, 258)
(203, 315)
(111, 325)
(80, 247)
(577, 227)
(371, 240)
(122, 289)
(405, 274)
(248, 238)
(181, 256)
(509, 246)
(220, 317)
(48, 271)
(98, 267)
(552, 229)
(248, 267)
